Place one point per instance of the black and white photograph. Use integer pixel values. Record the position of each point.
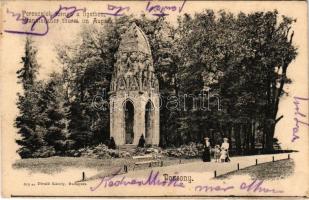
(154, 98)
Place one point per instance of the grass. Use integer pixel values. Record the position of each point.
(266, 171)
(57, 164)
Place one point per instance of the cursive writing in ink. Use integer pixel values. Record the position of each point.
(161, 11)
(24, 20)
(116, 10)
(213, 188)
(298, 113)
(256, 186)
(152, 180)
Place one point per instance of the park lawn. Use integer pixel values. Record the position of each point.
(266, 171)
(57, 164)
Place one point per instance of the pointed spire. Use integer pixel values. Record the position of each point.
(134, 39)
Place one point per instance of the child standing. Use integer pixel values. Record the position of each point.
(217, 153)
(223, 155)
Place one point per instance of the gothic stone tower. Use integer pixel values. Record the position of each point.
(134, 92)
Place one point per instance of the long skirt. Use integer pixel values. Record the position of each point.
(227, 157)
(206, 155)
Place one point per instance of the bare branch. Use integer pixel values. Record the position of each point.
(287, 32)
(291, 37)
(278, 119)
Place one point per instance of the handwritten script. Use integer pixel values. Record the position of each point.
(160, 11)
(39, 26)
(121, 181)
(116, 180)
(299, 117)
(254, 186)
(116, 10)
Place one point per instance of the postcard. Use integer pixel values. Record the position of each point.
(154, 98)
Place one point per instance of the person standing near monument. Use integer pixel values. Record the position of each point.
(112, 144)
(225, 146)
(217, 153)
(206, 153)
(141, 142)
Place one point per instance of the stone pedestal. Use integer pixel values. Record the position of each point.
(139, 101)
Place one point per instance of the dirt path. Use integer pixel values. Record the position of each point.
(210, 167)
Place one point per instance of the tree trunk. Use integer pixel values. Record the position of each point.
(252, 140)
(247, 136)
(229, 129)
(232, 135)
(242, 137)
(269, 138)
(237, 138)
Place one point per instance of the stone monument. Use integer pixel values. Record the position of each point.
(134, 92)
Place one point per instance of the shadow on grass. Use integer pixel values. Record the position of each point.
(57, 164)
(265, 171)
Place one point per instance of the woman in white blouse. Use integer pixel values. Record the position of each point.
(225, 145)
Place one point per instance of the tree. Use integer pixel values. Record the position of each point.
(28, 121)
(278, 53)
(88, 64)
(55, 120)
(28, 73)
(241, 58)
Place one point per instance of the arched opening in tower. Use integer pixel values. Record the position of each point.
(149, 115)
(129, 122)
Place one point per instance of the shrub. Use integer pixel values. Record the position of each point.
(191, 150)
(139, 151)
(74, 153)
(44, 152)
(100, 151)
(24, 152)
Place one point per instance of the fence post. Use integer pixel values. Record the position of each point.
(256, 161)
(83, 176)
(125, 168)
(237, 166)
(161, 163)
(215, 173)
(273, 158)
(288, 156)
